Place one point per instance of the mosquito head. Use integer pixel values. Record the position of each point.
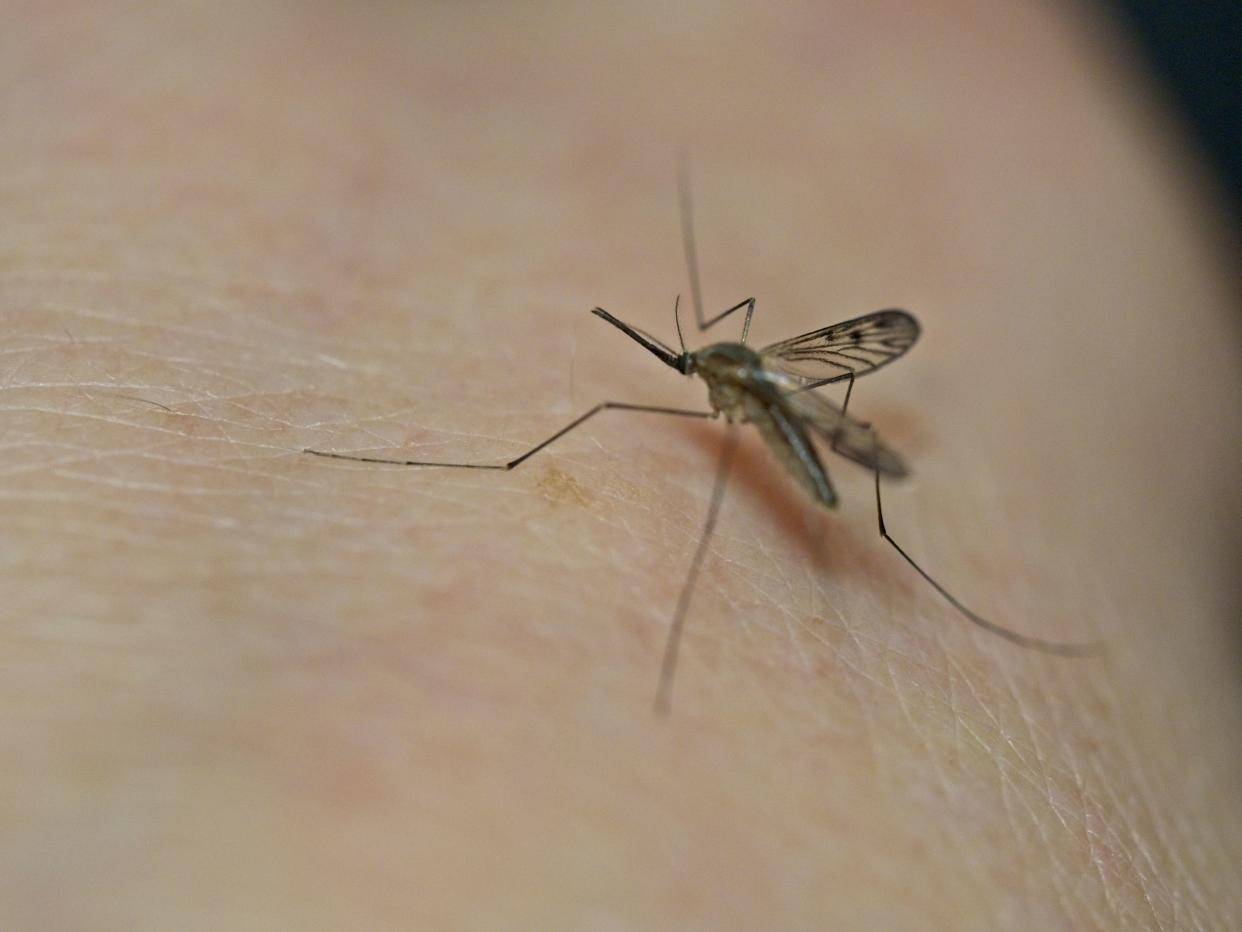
(685, 364)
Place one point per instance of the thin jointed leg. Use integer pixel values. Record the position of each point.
(664, 692)
(749, 304)
(820, 383)
(602, 406)
(1048, 647)
(687, 236)
(845, 406)
(849, 390)
(692, 257)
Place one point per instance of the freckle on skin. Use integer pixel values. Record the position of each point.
(561, 488)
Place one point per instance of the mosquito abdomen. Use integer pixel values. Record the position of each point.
(739, 388)
(786, 437)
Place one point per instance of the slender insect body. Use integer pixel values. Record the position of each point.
(772, 388)
(740, 388)
(735, 384)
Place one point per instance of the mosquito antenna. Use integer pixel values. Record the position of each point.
(668, 668)
(687, 236)
(1048, 647)
(677, 321)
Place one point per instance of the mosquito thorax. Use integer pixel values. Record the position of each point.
(721, 357)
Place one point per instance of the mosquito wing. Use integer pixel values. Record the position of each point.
(852, 439)
(852, 347)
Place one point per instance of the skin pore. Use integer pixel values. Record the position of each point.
(245, 687)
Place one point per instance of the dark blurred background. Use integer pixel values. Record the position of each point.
(1195, 50)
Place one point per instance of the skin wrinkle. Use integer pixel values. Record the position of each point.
(799, 630)
(1042, 772)
(929, 754)
(91, 530)
(98, 456)
(1014, 821)
(64, 413)
(54, 343)
(1000, 731)
(356, 422)
(1047, 846)
(1128, 843)
(1096, 858)
(795, 632)
(853, 683)
(1029, 776)
(84, 456)
(1115, 838)
(201, 339)
(1150, 879)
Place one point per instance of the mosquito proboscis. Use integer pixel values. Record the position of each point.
(774, 389)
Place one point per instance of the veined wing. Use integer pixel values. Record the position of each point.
(853, 347)
(852, 439)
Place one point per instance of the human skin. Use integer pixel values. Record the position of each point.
(247, 688)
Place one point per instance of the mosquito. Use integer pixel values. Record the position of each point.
(772, 388)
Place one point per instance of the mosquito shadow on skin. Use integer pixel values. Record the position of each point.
(824, 537)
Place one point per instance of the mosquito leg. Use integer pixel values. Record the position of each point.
(819, 383)
(845, 406)
(1047, 647)
(849, 390)
(664, 692)
(749, 304)
(602, 406)
(692, 256)
(687, 235)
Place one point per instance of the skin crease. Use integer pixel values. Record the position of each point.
(245, 688)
